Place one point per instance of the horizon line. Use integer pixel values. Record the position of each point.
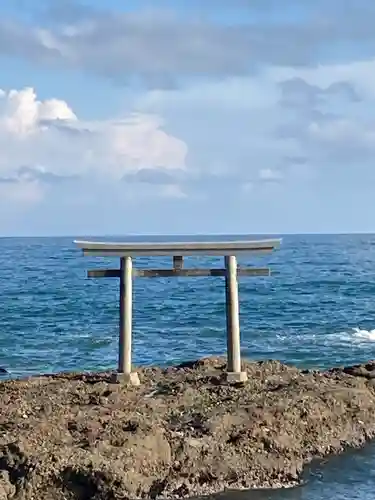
(199, 234)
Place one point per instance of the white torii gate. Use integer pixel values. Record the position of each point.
(178, 250)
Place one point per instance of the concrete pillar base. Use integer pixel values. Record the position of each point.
(126, 378)
(236, 377)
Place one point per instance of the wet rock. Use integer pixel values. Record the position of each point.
(183, 432)
(3, 371)
(356, 371)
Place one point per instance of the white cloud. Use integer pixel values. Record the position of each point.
(281, 134)
(22, 113)
(237, 107)
(201, 140)
(291, 126)
(44, 140)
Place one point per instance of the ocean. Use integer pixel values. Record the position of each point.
(317, 310)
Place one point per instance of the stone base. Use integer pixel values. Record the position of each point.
(236, 377)
(126, 378)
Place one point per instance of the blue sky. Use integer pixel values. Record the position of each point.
(199, 116)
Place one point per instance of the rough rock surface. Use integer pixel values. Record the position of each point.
(183, 432)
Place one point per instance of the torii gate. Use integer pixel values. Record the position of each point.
(126, 251)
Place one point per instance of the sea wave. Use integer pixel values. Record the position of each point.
(355, 335)
(361, 334)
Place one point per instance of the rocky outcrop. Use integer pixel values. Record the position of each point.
(183, 432)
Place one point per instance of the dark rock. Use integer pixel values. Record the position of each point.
(3, 371)
(356, 371)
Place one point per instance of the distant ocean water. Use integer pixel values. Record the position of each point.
(317, 311)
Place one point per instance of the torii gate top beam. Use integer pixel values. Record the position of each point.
(188, 248)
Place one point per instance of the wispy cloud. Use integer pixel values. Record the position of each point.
(160, 47)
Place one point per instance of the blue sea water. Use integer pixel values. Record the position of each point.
(316, 311)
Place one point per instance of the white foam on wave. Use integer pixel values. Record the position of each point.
(354, 336)
(360, 334)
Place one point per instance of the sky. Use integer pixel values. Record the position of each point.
(187, 116)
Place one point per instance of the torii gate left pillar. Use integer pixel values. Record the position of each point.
(125, 372)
